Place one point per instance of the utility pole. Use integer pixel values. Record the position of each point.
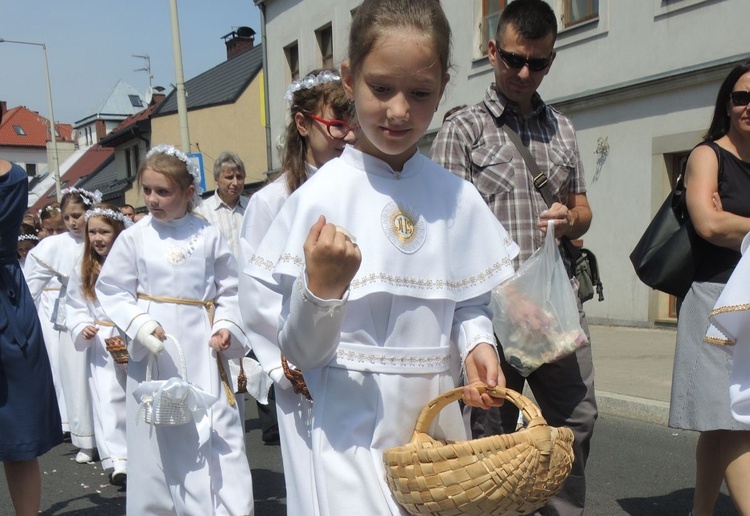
(179, 78)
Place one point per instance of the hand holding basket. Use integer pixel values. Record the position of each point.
(501, 474)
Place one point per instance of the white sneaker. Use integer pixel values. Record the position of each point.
(85, 455)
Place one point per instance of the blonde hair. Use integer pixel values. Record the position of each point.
(171, 167)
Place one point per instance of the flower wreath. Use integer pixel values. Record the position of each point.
(109, 214)
(88, 198)
(310, 81)
(192, 167)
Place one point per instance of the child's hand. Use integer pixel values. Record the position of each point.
(89, 332)
(151, 336)
(482, 367)
(220, 340)
(331, 259)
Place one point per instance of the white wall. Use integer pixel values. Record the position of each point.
(644, 76)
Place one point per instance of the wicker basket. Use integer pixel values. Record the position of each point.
(501, 474)
(160, 409)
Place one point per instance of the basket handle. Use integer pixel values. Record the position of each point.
(152, 359)
(530, 411)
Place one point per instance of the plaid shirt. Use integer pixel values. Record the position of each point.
(472, 145)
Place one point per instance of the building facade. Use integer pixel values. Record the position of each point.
(638, 80)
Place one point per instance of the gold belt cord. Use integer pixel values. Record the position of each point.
(210, 307)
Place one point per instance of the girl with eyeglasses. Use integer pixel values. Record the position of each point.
(717, 180)
(321, 125)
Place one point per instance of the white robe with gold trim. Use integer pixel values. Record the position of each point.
(431, 253)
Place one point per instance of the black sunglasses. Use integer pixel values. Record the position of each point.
(740, 98)
(535, 64)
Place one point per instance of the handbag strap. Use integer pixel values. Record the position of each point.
(538, 177)
(152, 359)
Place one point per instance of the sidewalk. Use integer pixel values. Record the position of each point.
(633, 371)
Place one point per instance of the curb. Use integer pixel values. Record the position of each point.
(631, 407)
(622, 405)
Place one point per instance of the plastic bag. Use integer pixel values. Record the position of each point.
(536, 313)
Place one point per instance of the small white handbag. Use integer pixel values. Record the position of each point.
(174, 401)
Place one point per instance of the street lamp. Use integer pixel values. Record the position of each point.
(53, 133)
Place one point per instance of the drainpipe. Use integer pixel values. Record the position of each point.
(269, 144)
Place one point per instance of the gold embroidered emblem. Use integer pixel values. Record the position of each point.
(404, 228)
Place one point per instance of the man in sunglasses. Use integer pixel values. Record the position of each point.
(474, 144)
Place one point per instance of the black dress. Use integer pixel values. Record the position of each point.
(29, 418)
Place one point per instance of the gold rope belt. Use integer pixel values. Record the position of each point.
(210, 307)
(104, 323)
(51, 289)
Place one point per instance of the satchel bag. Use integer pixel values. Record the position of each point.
(501, 474)
(580, 263)
(670, 251)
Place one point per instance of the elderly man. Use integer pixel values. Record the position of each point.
(226, 207)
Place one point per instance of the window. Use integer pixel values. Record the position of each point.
(31, 169)
(135, 101)
(128, 164)
(578, 11)
(292, 59)
(491, 10)
(19, 130)
(325, 42)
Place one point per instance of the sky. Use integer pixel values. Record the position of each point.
(90, 44)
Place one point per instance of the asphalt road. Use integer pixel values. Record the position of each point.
(635, 468)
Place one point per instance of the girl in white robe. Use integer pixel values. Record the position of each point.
(50, 263)
(90, 328)
(52, 224)
(385, 262)
(309, 144)
(173, 274)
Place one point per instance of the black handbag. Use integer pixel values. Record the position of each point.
(579, 262)
(670, 251)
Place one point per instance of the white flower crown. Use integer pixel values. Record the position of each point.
(49, 207)
(21, 238)
(109, 214)
(192, 168)
(88, 198)
(310, 81)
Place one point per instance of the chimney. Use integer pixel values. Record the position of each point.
(3, 110)
(239, 41)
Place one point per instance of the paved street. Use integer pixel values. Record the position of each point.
(635, 468)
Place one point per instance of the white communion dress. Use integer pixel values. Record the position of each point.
(182, 275)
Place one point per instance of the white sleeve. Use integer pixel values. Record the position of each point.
(117, 290)
(227, 314)
(37, 273)
(260, 304)
(77, 312)
(311, 328)
(472, 324)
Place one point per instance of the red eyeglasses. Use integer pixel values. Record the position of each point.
(337, 129)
